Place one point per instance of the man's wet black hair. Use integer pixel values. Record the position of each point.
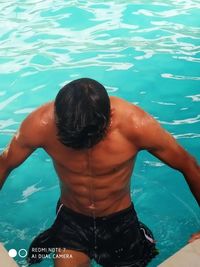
(82, 112)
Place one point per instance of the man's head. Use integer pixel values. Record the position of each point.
(82, 111)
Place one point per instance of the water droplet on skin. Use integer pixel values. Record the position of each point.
(92, 206)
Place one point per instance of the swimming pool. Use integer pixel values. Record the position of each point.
(147, 53)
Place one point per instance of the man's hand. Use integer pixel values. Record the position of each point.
(194, 237)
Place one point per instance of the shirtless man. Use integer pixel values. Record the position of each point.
(93, 141)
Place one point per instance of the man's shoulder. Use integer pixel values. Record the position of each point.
(38, 118)
(36, 125)
(133, 121)
(42, 115)
(127, 111)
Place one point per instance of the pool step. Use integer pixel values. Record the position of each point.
(188, 256)
(5, 259)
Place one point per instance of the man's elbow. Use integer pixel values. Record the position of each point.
(3, 175)
(190, 166)
(5, 169)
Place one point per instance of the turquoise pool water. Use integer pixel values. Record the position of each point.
(147, 52)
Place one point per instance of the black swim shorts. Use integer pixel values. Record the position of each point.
(117, 240)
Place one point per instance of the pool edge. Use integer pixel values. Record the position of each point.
(6, 260)
(186, 257)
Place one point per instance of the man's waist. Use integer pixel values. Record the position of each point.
(88, 216)
(97, 208)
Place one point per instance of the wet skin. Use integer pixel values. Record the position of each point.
(96, 181)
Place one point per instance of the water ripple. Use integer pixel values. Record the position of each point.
(164, 103)
(162, 14)
(24, 111)
(4, 103)
(6, 123)
(195, 98)
(184, 121)
(145, 51)
(30, 190)
(187, 135)
(179, 77)
(30, 28)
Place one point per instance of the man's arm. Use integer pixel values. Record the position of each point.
(12, 157)
(26, 140)
(153, 138)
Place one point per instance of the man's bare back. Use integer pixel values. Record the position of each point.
(98, 179)
(95, 181)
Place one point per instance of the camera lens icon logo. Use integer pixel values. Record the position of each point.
(13, 253)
